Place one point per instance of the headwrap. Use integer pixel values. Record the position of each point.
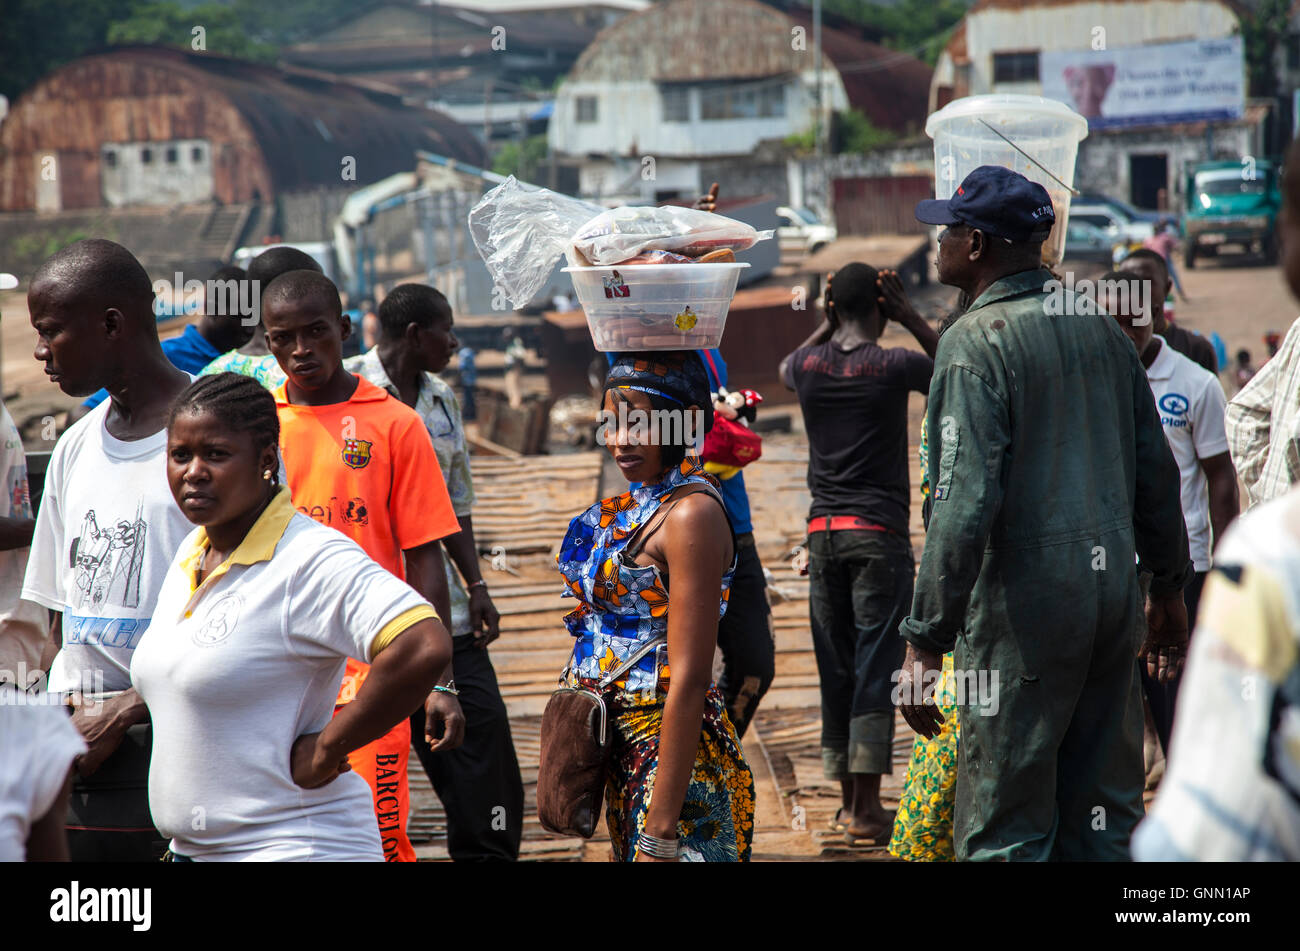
(674, 375)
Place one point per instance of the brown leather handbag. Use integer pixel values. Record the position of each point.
(575, 751)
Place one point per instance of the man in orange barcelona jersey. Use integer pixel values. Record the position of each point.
(361, 462)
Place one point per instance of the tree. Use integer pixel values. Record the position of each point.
(168, 24)
(919, 27)
(1261, 32)
(38, 36)
(524, 164)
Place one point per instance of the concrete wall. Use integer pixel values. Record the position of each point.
(129, 180)
(1103, 163)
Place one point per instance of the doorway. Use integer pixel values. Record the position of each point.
(1148, 176)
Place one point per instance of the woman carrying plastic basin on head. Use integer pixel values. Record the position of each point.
(677, 787)
(242, 663)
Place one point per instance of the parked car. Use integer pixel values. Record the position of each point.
(799, 232)
(1087, 242)
(1125, 210)
(1231, 208)
(1115, 224)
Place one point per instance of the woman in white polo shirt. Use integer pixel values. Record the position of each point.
(242, 664)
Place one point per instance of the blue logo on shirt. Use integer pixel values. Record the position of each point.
(1174, 403)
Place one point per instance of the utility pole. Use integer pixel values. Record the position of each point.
(817, 66)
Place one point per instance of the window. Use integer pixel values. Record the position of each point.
(759, 99)
(172, 155)
(110, 158)
(146, 156)
(586, 106)
(196, 154)
(1015, 67)
(675, 103)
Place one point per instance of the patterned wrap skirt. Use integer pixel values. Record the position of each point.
(717, 818)
(923, 826)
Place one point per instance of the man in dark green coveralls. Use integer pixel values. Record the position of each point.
(1049, 470)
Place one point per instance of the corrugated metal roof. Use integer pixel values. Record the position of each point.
(702, 40)
(302, 120)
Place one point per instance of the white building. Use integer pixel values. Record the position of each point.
(1007, 46)
(691, 80)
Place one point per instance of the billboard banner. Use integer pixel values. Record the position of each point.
(1149, 85)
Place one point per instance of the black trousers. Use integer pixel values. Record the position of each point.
(479, 782)
(108, 812)
(1162, 697)
(746, 639)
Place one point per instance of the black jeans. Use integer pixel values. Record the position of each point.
(1163, 697)
(108, 811)
(860, 590)
(478, 782)
(746, 639)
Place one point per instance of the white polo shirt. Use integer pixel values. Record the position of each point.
(233, 672)
(1191, 406)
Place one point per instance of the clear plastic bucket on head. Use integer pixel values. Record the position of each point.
(1046, 136)
(656, 306)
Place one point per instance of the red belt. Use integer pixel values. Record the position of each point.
(839, 523)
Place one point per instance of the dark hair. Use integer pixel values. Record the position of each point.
(102, 271)
(1134, 287)
(1243, 356)
(406, 304)
(303, 285)
(854, 290)
(229, 273)
(273, 262)
(240, 402)
(1146, 254)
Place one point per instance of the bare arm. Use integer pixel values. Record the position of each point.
(1221, 479)
(401, 676)
(695, 543)
(426, 574)
(894, 304)
(484, 618)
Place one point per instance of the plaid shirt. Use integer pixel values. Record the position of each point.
(437, 406)
(1263, 422)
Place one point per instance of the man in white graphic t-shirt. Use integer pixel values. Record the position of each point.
(107, 529)
(1191, 404)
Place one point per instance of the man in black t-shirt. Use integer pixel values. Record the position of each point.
(853, 394)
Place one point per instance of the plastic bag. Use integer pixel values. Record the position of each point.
(618, 234)
(521, 231)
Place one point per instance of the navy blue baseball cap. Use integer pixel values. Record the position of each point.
(997, 201)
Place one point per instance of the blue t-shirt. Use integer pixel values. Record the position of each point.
(190, 352)
(734, 496)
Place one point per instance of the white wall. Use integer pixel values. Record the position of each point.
(1073, 27)
(629, 120)
(132, 182)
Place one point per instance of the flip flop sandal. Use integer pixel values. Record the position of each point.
(836, 824)
(857, 841)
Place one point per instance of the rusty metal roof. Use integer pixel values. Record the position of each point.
(702, 40)
(302, 120)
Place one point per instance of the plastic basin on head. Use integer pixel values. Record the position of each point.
(656, 306)
(1048, 130)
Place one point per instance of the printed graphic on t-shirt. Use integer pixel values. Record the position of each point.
(353, 511)
(220, 622)
(356, 453)
(108, 561)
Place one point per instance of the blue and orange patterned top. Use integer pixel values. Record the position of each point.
(621, 604)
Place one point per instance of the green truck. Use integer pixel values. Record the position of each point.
(1232, 208)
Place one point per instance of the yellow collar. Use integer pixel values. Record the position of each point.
(258, 545)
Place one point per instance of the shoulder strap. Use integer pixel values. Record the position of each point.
(649, 528)
(717, 377)
(632, 661)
